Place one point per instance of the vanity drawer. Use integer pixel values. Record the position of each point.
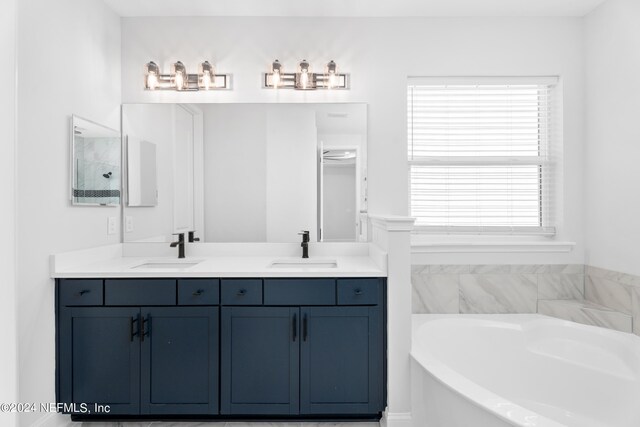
(80, 292)
(299, 292)
(359, 292)
(198, 291)
(140, 292)
(241, 291)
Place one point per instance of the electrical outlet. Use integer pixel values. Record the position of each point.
(112, 225)
(128, 220)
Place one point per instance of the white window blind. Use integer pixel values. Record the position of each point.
(481, 154)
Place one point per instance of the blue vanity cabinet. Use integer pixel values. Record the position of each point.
(99, 358)
(179, 353)
(314, 348)
(341, 360)
(260, 360)
(155, 359)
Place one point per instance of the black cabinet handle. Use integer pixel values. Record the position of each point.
(146, 327)
(295, 326)
(132, 332)
(305, 327)
(84, 291)
(358, 291)
(198, 292)
(242, 292)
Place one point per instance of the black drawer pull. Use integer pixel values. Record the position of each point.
(242, 292)
(295, 327)
(198, 292)
(357, 291)
(84, 291)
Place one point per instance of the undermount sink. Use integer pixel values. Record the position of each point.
(304, 263)
(168, 265)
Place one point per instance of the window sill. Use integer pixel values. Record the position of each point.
(491, 247)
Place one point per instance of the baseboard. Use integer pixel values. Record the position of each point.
(396, 419)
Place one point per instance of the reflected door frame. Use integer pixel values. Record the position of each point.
(356, 214)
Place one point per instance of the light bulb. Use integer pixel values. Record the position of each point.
(152, 81)
(179, 75)
(179, 80)
(332, 80)
(276, 77)
(303, 76)
(152, 73)
(207, 75)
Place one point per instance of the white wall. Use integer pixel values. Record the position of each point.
(612, 174)
(292, 172)
(69, 63)
(339, 202)
(379, 53)
(235, 144)
(156, 124)
(8, 314)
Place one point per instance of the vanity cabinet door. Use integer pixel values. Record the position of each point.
(179, 360)
(100, 358)
(341, 361)
(260, 360)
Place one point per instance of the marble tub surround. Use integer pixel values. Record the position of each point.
(492, 288)
(614, 290)
(587, 313)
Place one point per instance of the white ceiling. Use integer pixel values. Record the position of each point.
(353, 8)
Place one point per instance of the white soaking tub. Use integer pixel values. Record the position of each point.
(522, 370)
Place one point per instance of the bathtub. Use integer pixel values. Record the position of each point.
(522, 370)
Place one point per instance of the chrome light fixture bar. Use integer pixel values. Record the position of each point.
(304, 79)
(179, 79)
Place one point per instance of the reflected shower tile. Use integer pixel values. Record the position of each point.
(561, 286)
(608, 293)
(498, 293)
(435, 293)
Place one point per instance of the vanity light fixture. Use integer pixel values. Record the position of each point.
(304, 79)
(179, 79)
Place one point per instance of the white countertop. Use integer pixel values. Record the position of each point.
(347, 266)
(110, 263)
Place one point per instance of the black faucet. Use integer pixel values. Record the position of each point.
(305, 243)
(179, 244)
(192, 237)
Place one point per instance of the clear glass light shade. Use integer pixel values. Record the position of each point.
(207, 76)
(179, 75)
(151, 75)
(276, 74)
(331, 75)
(304, 78)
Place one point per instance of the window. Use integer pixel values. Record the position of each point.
(480, 154)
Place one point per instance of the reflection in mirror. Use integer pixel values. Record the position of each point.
(251, 172)
(95, 164)
(142, 187)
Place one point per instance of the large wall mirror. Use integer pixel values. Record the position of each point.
(245, 172)
(95, 164)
